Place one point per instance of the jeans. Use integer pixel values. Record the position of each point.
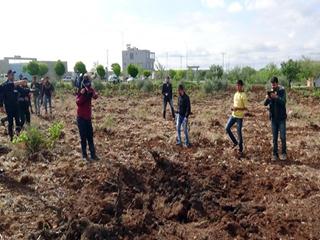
(86, 136)
(13, 115)
(47, 101)
(182, 121)
(24, 113)
(165, 102)
(232, 120)
(279, 126)
(37, 103)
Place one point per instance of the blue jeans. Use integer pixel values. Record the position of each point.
(37, 103)
(47, 101)
(182, 122)
(165, 102)
(232, 120)
(279, 126)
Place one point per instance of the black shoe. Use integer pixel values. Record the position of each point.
(95, 158)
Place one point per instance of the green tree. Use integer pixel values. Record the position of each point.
(215, 71)
(291, 70)
(172, 73)
(116, 69)
(101, 71)
(33, 68)
(146, 73)
(310, 69)
(80, 67)
(43, 69)
(133, 70)
(24, 68)
(59, 69)
(160, 70)
(181, 74)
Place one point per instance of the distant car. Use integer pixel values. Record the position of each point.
(67, 78)
(113, 78)
(130, 79)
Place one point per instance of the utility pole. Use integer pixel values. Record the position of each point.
(107, 58)
(167, 60)
(181, 57)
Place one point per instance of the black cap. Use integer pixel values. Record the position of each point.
(11, 72)
(240, 82)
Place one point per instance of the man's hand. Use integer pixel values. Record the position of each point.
(274, 95)
(83, 91)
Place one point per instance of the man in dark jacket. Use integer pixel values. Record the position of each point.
(36, 94)
(24, 104)
(47, 91)
(183, 114)
(276, 100)
(167, 97)
(84, 116)
(9, 98)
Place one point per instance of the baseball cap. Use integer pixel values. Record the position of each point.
(10, 72)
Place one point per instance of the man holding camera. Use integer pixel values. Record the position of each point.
(276, 100)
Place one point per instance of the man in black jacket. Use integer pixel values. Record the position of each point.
(183, 114)
(167, 97)
(9, 98)
(276, 100)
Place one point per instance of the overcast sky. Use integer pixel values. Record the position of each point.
(249, 32)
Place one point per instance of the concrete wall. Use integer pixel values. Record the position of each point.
(143, 58)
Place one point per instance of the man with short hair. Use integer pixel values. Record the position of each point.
(167, 97)
(276, 100)
(238, 111)
(36, 94)
(9, 98)
(184, 106)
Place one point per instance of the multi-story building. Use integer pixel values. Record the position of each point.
(16, 63)
(144, 58)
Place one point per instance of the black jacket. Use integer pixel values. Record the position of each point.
(9, 94)
(277, 107)
(184, 106)
(37, 88)
(47, 90)
(167, 89)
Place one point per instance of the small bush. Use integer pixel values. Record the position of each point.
(215, 85)
(54, 132)
(98, 85)
(208, 87)
(139, 84)
(32, 138)
(147, 86)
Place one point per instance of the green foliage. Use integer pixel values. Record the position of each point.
(160, 71)
(147, 86)
(190, 74)
(172, 73)
(98, 85)
(35, 140)
(59, 69)
(309, 69)
(133, 70)
(33, 68)
(291, 70)
(215, 85)
(24, 68)
(139, 84)
(43, 69)
(180, 75)
(116, 69)
(54, 133)
(80, 67)
(101, 71)
(146, 73)
(215, 71)
(32, 138)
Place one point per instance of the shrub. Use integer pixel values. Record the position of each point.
(139, 84)
(54, 132)
(98, 85)
(215, 85)
(147, 86)
(208, 87)
(32, 138)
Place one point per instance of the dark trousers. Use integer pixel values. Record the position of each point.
(165, 102)
(13, 115)
(86, 136)
(232, 120)
(279, 126)
(24, 113)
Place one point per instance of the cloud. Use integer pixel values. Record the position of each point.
(235, 7)
(213, 3)
(260, 4)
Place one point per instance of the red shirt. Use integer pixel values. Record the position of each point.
(84, 103)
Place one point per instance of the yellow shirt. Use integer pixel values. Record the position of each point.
(239, 101)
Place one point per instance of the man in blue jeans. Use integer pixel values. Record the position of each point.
(238, 111)
(183, 115)
(276, 100)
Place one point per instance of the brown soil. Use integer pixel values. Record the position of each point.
(144, 187)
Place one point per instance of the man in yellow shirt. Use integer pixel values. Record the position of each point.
(238, 110)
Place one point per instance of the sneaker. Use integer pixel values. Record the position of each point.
(275, 158)
(187, 145)
(284, 157)
(178, 144)
(1, 172)
(85, 158)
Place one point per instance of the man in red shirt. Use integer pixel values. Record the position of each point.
(84, 116)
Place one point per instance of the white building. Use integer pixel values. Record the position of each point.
(143, 58)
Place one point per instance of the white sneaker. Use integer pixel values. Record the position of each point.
(284, 157)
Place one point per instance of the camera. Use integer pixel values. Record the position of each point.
(269, 93)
